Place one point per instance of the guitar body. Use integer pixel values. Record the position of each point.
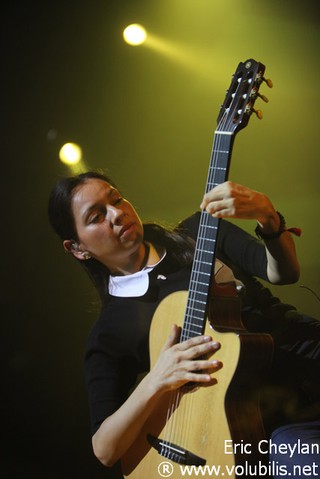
(209, 421)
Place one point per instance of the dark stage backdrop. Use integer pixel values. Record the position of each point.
(147, 115)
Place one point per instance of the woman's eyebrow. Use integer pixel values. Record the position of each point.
(94, 206)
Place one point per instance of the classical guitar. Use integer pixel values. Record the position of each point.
(216, 428)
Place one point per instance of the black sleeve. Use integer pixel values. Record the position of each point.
(235, 246)
(117, 353)
(109, 375)
(102, 380)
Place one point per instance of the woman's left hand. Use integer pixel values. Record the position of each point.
(231, 200)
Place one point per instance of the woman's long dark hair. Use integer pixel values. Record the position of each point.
(61, 218)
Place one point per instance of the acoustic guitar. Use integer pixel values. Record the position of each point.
(211, 431)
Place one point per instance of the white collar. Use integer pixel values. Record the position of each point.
(132, 285)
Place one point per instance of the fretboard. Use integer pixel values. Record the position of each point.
(201, 274)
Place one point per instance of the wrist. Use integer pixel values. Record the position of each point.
(269, 234)
(152, 385)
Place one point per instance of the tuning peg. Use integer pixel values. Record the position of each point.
(264, 98)
(258, 113)
(268, 82)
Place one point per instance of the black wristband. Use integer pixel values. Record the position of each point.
(281, 229)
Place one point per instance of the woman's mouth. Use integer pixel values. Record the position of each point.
(126, 230)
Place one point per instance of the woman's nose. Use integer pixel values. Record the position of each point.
(114, 215)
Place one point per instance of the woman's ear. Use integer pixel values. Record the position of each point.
(71, 246)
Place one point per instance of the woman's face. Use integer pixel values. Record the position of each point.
(107, 225)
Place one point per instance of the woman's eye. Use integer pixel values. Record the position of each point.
(96, 218)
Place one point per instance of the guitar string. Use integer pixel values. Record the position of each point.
(181, 429)
(165, 450)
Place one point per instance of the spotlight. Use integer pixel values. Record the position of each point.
(70, 154)
(134, 34)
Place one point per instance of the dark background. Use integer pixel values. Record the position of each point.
(147, 115)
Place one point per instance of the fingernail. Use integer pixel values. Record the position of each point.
(217, 363)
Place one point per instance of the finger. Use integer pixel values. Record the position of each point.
(205, 366)
(211, 197)
(193, 385)
(220, 192)
(221, 209)
(199, 378)
(196, 340)
(203, 349)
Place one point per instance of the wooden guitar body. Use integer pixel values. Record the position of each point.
(210, 421)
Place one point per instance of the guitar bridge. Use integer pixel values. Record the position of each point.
(175, 453)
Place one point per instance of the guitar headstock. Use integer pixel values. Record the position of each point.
(241, 96)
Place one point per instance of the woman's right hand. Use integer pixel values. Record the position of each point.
(178, 364)
(186, 361)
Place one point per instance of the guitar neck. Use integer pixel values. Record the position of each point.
(234, 115)
(203, 263)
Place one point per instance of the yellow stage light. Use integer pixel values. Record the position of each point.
(135, 34)
(70, 154)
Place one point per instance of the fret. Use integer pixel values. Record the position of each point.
(205, 251)
(195, 285)
(194, 315)
(196, 305)
(202, 262)
(198, 309)
(205, 274)
(211, 227)
(204, 303)
(192, 323)
(190, 334)
(197, 291)
(204, 293)
(194, 327)
(212, 240)
(202, 283)
(197, 301)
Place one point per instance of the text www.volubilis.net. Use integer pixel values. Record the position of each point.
(249, 470)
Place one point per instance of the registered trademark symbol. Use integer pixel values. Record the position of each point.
(165, 469)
